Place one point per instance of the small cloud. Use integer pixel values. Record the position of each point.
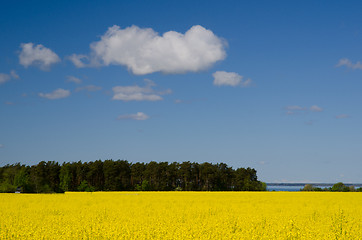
(9, 103)
(1, 146)
(341, 116)
(315, 108)
(294, 107)
(76, 59)
(56, 94)
(89, 88)
(4, 78)
(137, 93)
(37, 55)
(246, 83)
(346, 62)
(144, 51)
(310, 122)
(178, 101)
(14, 75)
(222, 78)
(74, 79)
(7, 77)
(140, 116)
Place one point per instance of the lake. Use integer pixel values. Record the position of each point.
(292, 187)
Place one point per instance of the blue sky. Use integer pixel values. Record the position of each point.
(273, 85)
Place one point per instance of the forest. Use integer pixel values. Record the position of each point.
(121, 175)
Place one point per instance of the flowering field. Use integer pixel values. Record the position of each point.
(182, 215)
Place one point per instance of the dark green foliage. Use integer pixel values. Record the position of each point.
(340, 187)
(109, 175)
(85, 187)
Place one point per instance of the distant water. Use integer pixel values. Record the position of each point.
(284, 188)
(292, 187)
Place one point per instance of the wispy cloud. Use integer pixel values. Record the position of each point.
(315, 108)
(89, 88)
(140, 116)
(1, 146)
(74, 79)
(56, 94)
(348, 63)
(137, 93)
(4, 78)
(14, 75)
(144, 51)
(310, 122)
(222, 78)
(341, 116)
(37, 55)
(78, 60)
(294, 109)
(7, 77)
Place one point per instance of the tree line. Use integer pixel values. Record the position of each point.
(121, 175)
(338, 187)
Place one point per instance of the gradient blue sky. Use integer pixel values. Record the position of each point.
(281, 93)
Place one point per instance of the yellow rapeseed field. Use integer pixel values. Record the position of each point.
(182, 215)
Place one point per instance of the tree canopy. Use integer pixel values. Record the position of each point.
(121, 175)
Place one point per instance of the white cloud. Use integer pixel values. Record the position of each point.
(74, 79)
(14, 75)
(37, 55)
(138, 116)
(7, 77)
(144, 51)
(222, 78)
(1, 146)
(4, 78)
(342, 116)
(315, 108)
(246, 83)
(76, 59)
(56, 94)
(89, 88)
(137, 93)
(346, 62)
(295, 109)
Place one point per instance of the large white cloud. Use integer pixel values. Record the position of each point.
(56, 94)
(37, 55)
(138, 116)
(144, 51)
(137, 93)
(222, 78)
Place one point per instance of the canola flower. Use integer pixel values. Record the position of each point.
(182, 215)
